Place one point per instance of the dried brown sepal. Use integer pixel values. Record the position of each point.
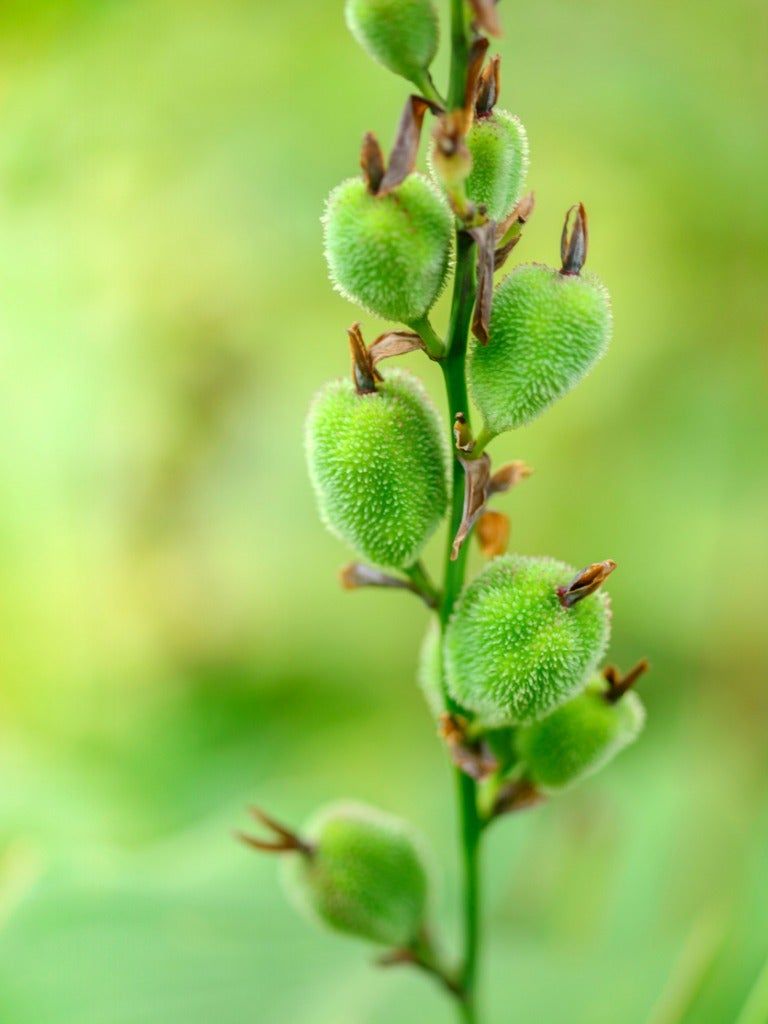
(477, 52)
(517, 795)
(357, 575)
(508, 476)
(476, 476)
(486, 16)
(618, 685)
(510, 231)
(394, 343)
(485, 239)
(402, 159)
(364, 373)
(372, 163)
(488, 86)
(492, 532)
(585, 582)
(472, 756)
(462, 434)
(285, 840)
(574, 241)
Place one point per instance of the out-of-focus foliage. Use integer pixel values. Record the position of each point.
(174, 642)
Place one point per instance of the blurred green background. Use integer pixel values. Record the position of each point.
(174, 642)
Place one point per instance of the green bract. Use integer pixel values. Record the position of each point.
(388, 253)
(400, 34)
(379, 465)
(547, 329)
(580, 737)
(512, 652)
(365, 876)
(499, 147)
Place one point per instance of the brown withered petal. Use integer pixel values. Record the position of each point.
(372, 162)
(492, 532)
(364, 373)
(394, 343)
(501, 255)
(508, 476)
(485, 238)
(286, 840)
(476, 476)
(510, 231)
(356, 575)
(472, 757)
(573, 247)
(486, 16)
(477, 52)
(518, 795)
(402, 159)
(585, 582)
(618, 685)
(462, 434)
(488, 86)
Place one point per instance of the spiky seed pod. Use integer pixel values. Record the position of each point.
(365, 876)
(498, 144)
(547, 329)
(388, 253)
(580, 737)
(400, 34)
(379, 464)
(513, 652)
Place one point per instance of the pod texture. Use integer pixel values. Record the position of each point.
(400, 34)
(547, 330)
(499, 146)
(388, 253)
(379, 464)
(579, 738)
(512, 653)
(366, 877)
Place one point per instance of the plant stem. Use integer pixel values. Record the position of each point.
(453, 366)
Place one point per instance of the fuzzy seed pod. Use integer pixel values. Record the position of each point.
(499, 146)
(388, 253)
(580, 737)
(400, 34)
(513, 652)
(379, 464)
(547, 330)
(365, 875)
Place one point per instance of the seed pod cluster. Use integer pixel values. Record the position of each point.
(580, 737)
(365, 875)
(498, 144)
(389, 253)
(379, 466)
(513, 652)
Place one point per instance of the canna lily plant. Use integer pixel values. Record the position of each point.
(512, 664)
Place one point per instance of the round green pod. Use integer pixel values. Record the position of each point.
(499, 146)
(580, 737)
(547, 330)
(388, 253)
(402, 35)
(366, 875)
(379, 464)
(512, 652)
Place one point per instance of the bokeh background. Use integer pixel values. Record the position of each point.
(174, 643)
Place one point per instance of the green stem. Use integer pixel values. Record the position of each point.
(419, 577)
(433, 343)
(459, 54)
(453, 366)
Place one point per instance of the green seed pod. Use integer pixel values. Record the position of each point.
(499, 146)
(389, 253)
(365, 875)
(379, 464)
(515, 649)
(547, 329)
(400, 34)
(580, 737)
